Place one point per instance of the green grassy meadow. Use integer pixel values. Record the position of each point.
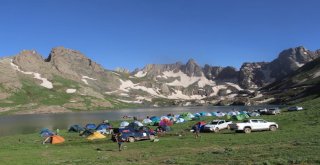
(297, 141)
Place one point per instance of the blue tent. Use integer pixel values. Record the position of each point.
(91, 126)
(45, 132)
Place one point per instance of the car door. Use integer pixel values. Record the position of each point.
(263, 125)
(255, 125)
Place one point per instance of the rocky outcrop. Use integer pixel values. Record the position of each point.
(192, 69)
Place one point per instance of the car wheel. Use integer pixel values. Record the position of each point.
(273, 128)
(216, 130)
(151, 137)
(131, 139)
(247, 130)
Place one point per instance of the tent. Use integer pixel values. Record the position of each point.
(104, 128)
(135, 125)
(165, 122)
(124, 124)
(164, 117)
(56, 139)
(220, 114)
(180, 120)
(76, 128)
(155, 120)
(146, 121)
(208, 114)
(96, 135)
(214, 113)
(240, 116)
(45, 132)
(91, 126)
(186, 116)
(203, 113)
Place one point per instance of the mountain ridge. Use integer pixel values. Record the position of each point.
(87, 85)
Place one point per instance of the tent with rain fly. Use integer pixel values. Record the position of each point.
(76, 128)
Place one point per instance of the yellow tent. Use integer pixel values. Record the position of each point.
(96, 135)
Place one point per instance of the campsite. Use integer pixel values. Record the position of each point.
(295, 142)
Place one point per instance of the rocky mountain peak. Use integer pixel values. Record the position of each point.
(28, 60)
(72, 62)
(192, 68)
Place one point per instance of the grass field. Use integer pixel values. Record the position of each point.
(297, 141)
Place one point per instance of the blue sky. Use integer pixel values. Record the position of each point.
(133, 33)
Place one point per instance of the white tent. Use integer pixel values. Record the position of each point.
(124, 124)
(146, 121)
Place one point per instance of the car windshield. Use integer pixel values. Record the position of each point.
(214, 122)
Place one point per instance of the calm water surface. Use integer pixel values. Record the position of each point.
(17, 124)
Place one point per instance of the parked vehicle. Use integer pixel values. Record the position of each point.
(273, 111)
(216, 125)
(295, 108)
(131, 134)
(262, 111)
(254, 125)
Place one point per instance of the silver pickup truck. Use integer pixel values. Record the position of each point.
(216, 125)
(254, 125)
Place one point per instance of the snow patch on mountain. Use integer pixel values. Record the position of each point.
(45, 83)
(84, 79)
(71, 90)
(140, 74)
(184, 80)
(128, 101)
(235, 85)
(299, 64)
(179, 95)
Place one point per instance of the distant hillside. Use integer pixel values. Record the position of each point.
(300, 85)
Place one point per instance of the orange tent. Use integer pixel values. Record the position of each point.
(56, 139)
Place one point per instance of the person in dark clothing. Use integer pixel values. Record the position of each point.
(119, 141)
(196, 131)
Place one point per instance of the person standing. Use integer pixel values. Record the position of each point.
(196, 131)
(119, 140)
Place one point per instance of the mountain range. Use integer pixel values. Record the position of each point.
(68, 80)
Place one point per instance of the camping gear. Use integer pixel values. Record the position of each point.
(180, 120)
(165, 122)
(146, 121)
(45, 132)
(164, 117)
(91, 126)
(135, 125)
(76, 128)
(96, 135)
(155, 120)
(124, 124)
(186, 116)
(56, 139)
(104, 128)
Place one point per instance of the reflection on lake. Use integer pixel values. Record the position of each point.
(17, 124)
